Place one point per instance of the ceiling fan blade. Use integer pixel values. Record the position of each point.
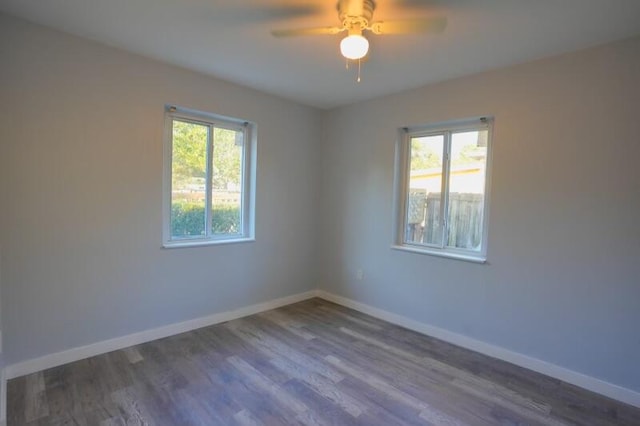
(425, 4)
(233, 14)
(307, 31)
(279, 12)
(410, 26)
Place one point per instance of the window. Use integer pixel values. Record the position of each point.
(209, 179)
(441, 189)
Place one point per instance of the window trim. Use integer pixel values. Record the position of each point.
(401, 186)
(248, 184)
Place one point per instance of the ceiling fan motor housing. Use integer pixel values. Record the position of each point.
(356, 15)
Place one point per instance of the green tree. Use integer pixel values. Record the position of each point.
(423, 156)
(189, 151)
(469, 154)
(227, 158)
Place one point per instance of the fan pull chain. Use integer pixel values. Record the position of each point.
(359, 69)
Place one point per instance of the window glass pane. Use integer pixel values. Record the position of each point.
(188, 180)
(226, 200)
(466, 189)
(423, 223)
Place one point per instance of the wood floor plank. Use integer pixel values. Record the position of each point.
(62, 394)
(482, 394)
(261, 405)
(267, 386)
(287, 323)
(114, 369)
(245, 418)
(385, 364)
(226, 344)
(16, 400)
(480, 387)
(92, 391)
(133, 355)
(36, 404)
(424, 409)
(132, 409)
(322, 387)
(309, 363)
(113, 421)
(274, 348)
(323, 410)
(412, 380)
(351, 318)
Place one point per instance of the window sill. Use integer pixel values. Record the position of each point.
(439, 253)
(188, 244)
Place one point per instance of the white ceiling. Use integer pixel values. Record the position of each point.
(230, 39)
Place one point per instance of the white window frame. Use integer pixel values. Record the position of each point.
(248, 176)
(401, 187)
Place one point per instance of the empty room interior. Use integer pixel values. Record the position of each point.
(322, 212)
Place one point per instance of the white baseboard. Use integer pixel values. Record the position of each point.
(98, 348)
(610, 390)
(53, 360)
(3, 396)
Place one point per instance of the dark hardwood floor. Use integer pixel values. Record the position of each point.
(311, 363)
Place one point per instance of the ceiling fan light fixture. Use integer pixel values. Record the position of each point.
(354, 46)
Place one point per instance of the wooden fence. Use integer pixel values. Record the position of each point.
(465, 221)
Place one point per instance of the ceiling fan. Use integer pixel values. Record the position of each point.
(356, 18)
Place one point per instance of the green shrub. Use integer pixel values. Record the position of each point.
(226, 220)
(187, 219)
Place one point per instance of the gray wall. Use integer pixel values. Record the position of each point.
(81, 188)
(562, 282)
